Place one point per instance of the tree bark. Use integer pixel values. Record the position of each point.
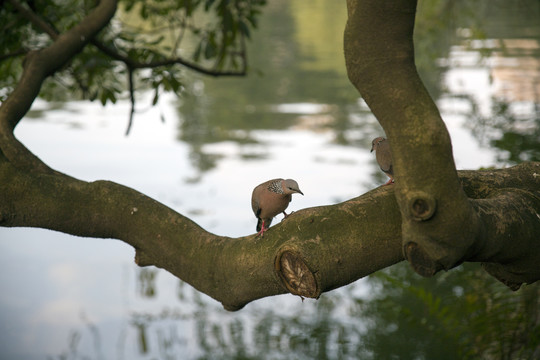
(441, 227)
(306, 254)
(314, 250)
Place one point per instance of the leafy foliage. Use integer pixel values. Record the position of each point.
(161, 36)
(465, 312)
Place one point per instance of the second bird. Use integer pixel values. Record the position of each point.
(384, 157)
(271, 198)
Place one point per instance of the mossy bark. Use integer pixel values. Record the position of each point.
(435, 217)
(329, 246)
(379, 54)
(441, 226)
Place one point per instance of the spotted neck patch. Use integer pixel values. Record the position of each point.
(275, 187)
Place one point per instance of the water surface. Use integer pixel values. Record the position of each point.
(295, 116)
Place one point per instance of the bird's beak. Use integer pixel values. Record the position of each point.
(298, 191)
(371, 149)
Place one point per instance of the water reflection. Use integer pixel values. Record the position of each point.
(506, 44)
(462, 314)
(459, 46)
(296, 68)
(479, 61)
(292, 85)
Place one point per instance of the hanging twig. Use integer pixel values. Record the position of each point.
(131, 98)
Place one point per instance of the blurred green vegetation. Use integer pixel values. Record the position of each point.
(462, 314)
(393, 314)
(294, 56)
(300, 61)
(155, 36)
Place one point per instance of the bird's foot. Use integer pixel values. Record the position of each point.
(285, 215)
(261, 233)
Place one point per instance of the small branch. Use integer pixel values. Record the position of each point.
(54, 34)
(192, 66)
(20, 52)
(131, 99)
(37, 21)
(243, 53)
(38, 65)
(179, 37)
(41, 64)
(164, 62)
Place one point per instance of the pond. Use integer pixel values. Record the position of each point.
(295, 116)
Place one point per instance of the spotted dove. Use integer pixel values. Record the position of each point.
(270, 198)
(384, 157)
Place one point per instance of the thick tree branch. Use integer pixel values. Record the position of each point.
(38, 65)
(233, 271)
(315, 250)
(509, 207)
(381, 66)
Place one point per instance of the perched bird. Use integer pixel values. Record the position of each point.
(270, 198)
(384, 157)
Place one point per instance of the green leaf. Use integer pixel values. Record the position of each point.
(244, 28)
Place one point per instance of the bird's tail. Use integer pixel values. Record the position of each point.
(260, 222)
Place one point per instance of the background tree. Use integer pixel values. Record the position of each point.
(164, 38)
(486, 216)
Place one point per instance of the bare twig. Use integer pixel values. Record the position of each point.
(35, 19)
(20, 52)
(131, 99)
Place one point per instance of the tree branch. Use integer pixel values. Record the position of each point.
(166, 62)
(508, 204)
(382, 69)
(20, 52)
(131, 85)
(53, 33)
(315, 250)
(233, 271)
(43, 63)
(79, 36)
(38, 65)
(37, 21)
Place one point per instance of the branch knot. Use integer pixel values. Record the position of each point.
(422, 206)
(295, 274)
(420, 260)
